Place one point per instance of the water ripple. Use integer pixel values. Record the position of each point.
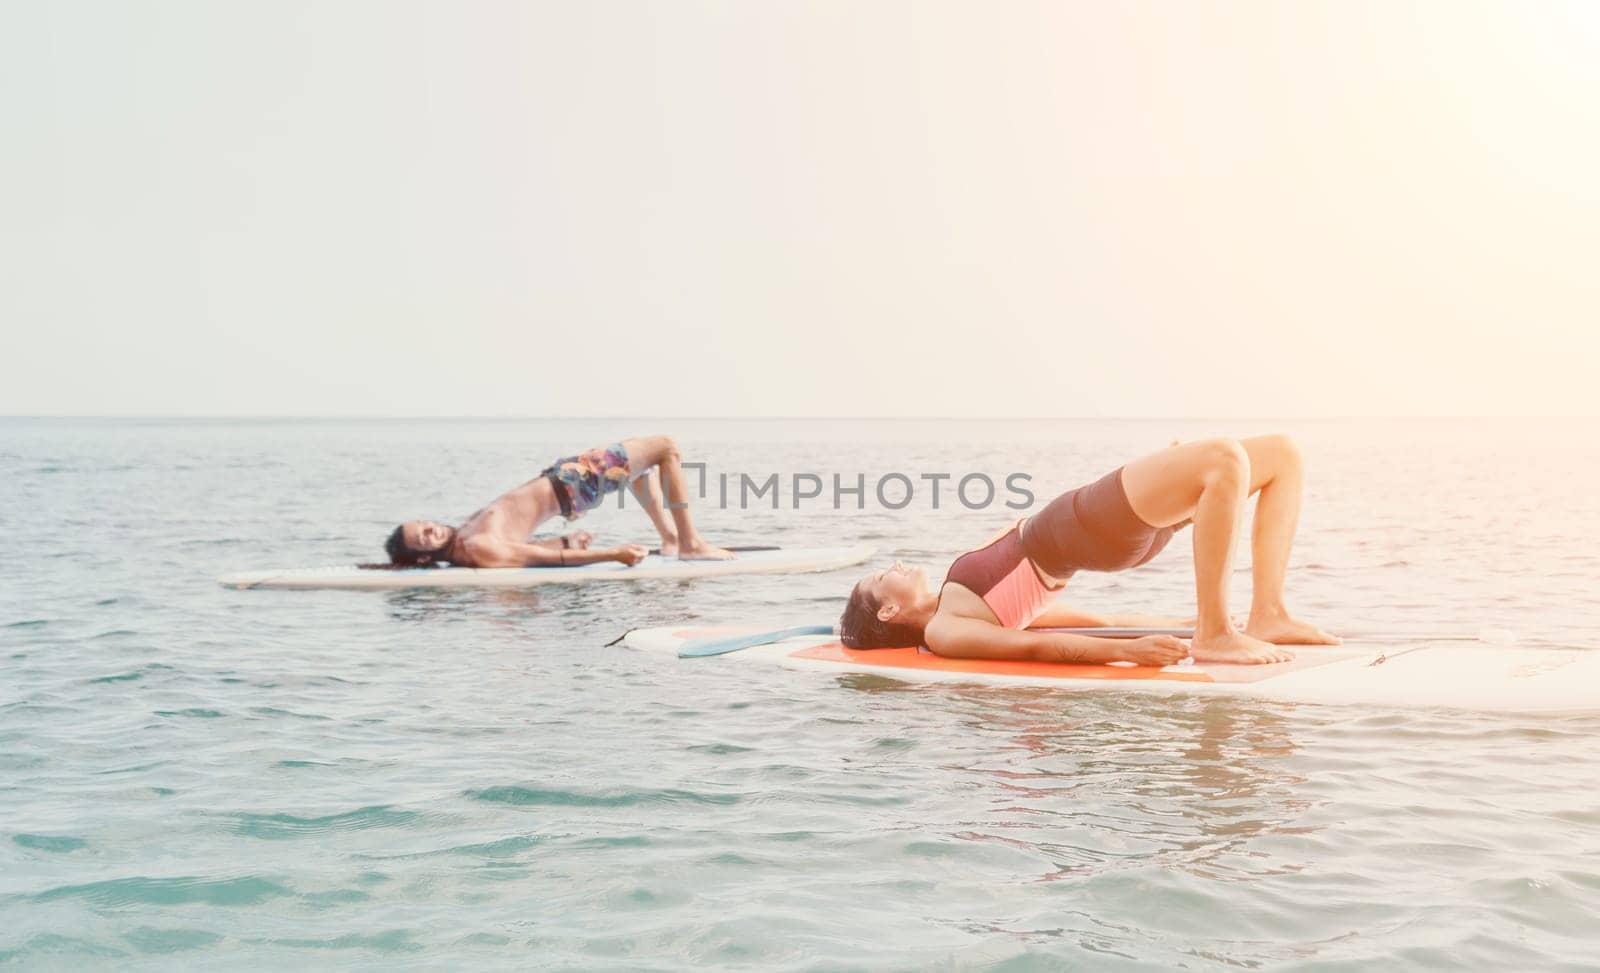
(278, 827)
(556, 797)
(126, 892)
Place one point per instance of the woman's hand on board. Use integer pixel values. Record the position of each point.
(1156, 650)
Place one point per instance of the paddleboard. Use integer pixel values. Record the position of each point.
(1405, 675)
(778, 561)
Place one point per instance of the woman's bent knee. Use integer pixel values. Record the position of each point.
(1274, 454)
(1288, 449)
(1225, 461)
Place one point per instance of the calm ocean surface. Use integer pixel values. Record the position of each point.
(431, 780)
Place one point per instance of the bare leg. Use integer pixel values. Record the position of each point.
(1207, 482)
(661, 452)
(1277, 472)
(647, 489)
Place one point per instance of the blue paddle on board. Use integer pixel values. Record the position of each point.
(701, 648)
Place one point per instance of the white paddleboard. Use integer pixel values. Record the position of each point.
(781, 561)
(1410, 675)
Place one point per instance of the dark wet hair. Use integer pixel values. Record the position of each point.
(861, 628)
(403, 555)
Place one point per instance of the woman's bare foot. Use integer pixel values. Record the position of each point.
(1285, 630)
(698, 550)
(669, 546)
(1236, 647)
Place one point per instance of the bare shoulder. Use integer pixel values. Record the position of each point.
(957, 601)
(484, 550)
(937, 633)
(959, 612)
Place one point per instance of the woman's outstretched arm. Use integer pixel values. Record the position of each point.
(1065, 616)
(955, 637)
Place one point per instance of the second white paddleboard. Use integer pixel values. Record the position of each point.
(778, 561)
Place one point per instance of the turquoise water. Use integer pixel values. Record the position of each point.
(432, 780)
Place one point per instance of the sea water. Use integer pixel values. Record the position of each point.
(429, 780)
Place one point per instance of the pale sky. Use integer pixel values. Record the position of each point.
(799, 209)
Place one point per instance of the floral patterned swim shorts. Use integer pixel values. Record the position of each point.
(582, 481)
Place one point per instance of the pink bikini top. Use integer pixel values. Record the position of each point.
(1002, 575)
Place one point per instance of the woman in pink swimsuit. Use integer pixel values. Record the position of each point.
(993, 596)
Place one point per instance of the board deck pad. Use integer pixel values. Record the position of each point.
(1405, 674)
(777, 561)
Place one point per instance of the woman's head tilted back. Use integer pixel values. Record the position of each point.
(877, 615)
(416, 543)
